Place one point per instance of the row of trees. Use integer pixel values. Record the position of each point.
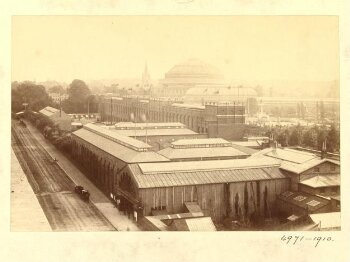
(80, 99)
(311, 137)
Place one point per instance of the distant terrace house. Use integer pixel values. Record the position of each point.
(57, 117)
(307, 171)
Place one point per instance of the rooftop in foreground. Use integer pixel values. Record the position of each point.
(153, 175)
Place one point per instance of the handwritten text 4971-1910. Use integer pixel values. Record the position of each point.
(293, 240)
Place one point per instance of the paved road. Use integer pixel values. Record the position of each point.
(63, 208)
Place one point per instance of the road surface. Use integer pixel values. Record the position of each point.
(63, 208)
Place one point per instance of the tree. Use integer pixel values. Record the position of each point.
(295, 138)
(78, 92)
(321, 137)
(283, 138)
(32, 94)
(310, 138)
(333, 139)
(56, 89)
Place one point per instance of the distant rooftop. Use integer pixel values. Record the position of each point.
(200, 142)
(193, 106)
(49, 111)
(203, 149)
(132, 126)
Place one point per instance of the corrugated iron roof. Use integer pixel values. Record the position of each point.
(191, 166)
(164, 178)
(322, 181)
(117, 150)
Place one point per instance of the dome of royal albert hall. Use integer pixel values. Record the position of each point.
(193, 68)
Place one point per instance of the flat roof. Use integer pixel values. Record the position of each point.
(153, 175)
(322, 180)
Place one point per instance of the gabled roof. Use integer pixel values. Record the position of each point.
(300, 168)
(322, 181)
(49, 111)
(120, 151)
(113, 136)
(291, 160)
(153, 175)
(286, 154)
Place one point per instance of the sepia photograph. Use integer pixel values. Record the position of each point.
(175, 123)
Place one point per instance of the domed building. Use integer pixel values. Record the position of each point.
(189, 74)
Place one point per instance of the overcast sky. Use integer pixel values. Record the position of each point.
(244, 48)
